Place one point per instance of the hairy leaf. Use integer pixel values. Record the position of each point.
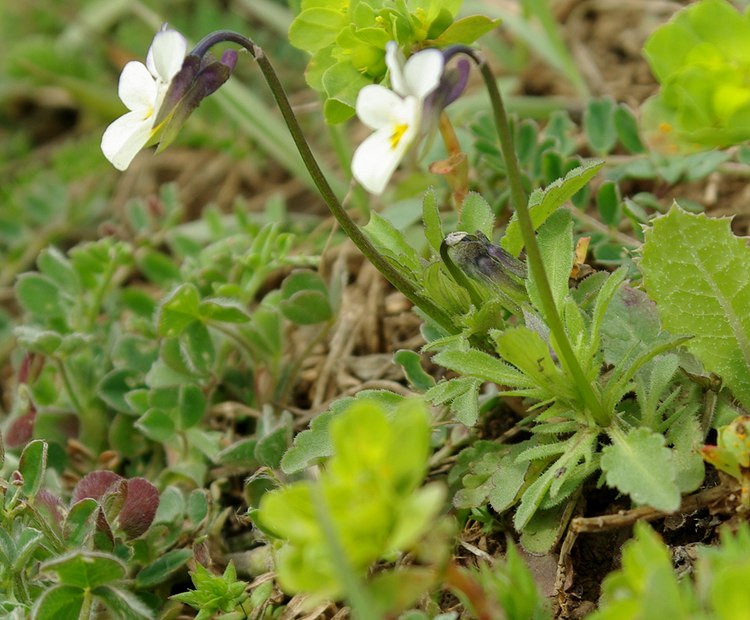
(698, 273)
(544, 203)
(640, 465)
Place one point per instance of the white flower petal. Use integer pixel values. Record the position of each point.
(125, 137)
(166, 54)
(374, 162)
(394, 60)
(378, 106)
(376, 159)
(423, 71)
(136, 88)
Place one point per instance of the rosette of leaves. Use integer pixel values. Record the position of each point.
(347, 41)
(641, 440)
(701, 58)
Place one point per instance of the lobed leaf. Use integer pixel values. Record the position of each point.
(698, 273)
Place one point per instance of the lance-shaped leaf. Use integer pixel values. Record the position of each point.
(698, 273)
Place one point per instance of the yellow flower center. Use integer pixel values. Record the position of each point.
(398, 133)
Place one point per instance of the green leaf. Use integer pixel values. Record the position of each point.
(241, 453)
(164, 567)
(466, 30)
(476, 215)
(391, 242)
(687, 437)
(495, 478)
(304, 298)
(699, 57)
(80, 520)
(482, 365)
(626, 126)
(157, 424)
(54, 264)
(640, 465)
(191, 406)
(198, 505)
(433, 227)
(465, 406)
(393, 591)
(314, 444)
(544, 203)
(178, 310)
(543, 530)
(159, 268)
(599, 125)
(86, 569)
(59, 602)
(630, 327)
(115, 385)
(223, 310)
(29, 540)
(609, 203)
(32, 466)
(40, 296)
(38, 340)
(197, 348)
(555, 240)
(342, 83)
(411, 362)
(315, 28)
(123, 604)
(698, 273)
(270, 449)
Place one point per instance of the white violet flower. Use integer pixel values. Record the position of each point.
(395, 115)
(142, 89)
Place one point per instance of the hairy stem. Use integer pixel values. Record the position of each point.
(351, 229)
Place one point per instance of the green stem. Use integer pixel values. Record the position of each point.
(351, 230)
(93, 311)
(592, 401)
(93, 424)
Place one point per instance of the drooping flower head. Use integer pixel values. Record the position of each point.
(403, 115)
(142, 89)
(161, 94)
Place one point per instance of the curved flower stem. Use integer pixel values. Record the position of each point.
(591, 399)
(351, 229)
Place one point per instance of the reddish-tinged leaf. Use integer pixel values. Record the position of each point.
(20, 431)
(94, 484)
(140, 507)
(51, 504)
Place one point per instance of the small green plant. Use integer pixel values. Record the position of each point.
(216, 596)
(366, 505)
(701, 59)
(348, 40)
(647, 587)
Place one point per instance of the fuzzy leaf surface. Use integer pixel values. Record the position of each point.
(640, 465)
(543, 203)
(698, 273)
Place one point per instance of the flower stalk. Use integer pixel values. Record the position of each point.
(349, 227)
(592, 401)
